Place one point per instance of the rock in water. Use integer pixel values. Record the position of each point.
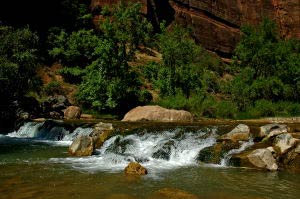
(283, 143)
(263, 158)
(135, 168)
(239, 133)
(271, 130)
(72, 112)
(102, 131)
(82, 146)
(157, 113)
(171, 193)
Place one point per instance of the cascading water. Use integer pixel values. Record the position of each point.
(228, 155)
(156, 151)
(46, 132)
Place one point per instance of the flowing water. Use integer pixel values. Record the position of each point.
(34, 164)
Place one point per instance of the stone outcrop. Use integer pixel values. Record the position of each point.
(72, 112)
(216, 24)
(82, 146)
(263, 158)
(157, 113)
(134, 168)
(239, 133)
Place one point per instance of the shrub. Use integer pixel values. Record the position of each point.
(53, 88)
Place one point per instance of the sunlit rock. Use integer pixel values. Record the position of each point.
(157, 113)
(239, 133)
(82, 146)
(72, 112)
(134, 168)
(263, 158)
(283, 143)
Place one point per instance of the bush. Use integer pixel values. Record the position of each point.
(72, 75)
(53, 88)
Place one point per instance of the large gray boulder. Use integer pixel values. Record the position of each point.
(271, 130)
(239, 133)
(157, 113)
(283, 143)
(82, 146)
(263, 158)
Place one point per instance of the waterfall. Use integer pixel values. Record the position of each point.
(50, 132)
(155, 150)
(224, 162)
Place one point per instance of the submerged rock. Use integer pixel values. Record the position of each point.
(283, 143)
(172, 193)
(263, 158)
(82, 146)
(239, 133)
(157, 113)
(72, 112)
(135, 168)
(165, 151)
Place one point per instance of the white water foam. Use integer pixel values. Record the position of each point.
(225, 161)
(155, 151)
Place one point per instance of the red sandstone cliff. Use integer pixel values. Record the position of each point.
(216, 23)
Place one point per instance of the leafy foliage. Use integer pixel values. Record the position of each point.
(18, 60)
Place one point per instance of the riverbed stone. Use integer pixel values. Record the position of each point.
(263, 158)
(291, 160)
(72, 112)
(172, 193)
(134, 168)
(239, 133)
(82, 146)
(157, 113)
(283, 143)
(101, 132)
(271, 130)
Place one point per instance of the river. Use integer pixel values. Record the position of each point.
(34, 163)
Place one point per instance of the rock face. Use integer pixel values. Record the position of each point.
(82, 146)
(135, 168)
(263, 158)
(216, 24)
(239, 133)
(157, 113)
(72, 112)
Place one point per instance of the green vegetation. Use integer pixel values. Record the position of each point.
(263, 80)
(18, 59)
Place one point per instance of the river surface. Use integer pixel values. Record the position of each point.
(35, 164)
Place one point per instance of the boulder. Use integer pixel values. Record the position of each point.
(271, 130)
(263, 158)
(135, 168)
(82, 146)
(102, 131)
(72, 112)
(55, 104)
(157, 113)
(239, 133)
(172, 193)
(297, 149)
(283, 143)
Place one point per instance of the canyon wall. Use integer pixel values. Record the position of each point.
(216, 23)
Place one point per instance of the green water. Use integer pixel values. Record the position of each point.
(26, 172)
